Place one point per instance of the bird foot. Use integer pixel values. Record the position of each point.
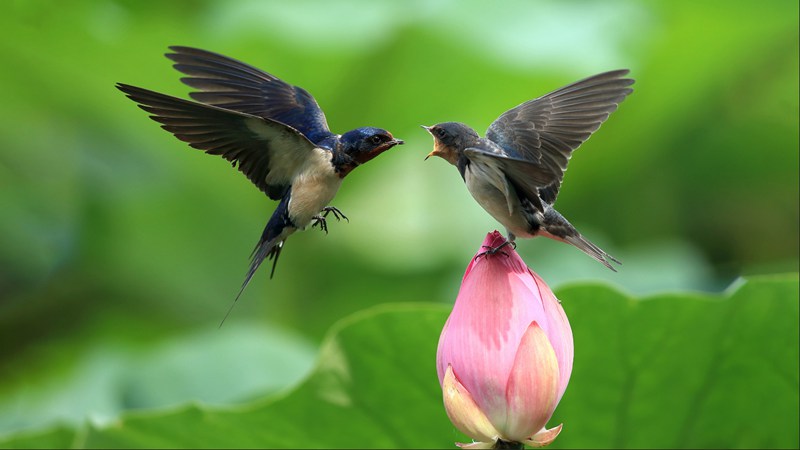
(492, 250)
(323, 224)
(320, 219)
(336, 213)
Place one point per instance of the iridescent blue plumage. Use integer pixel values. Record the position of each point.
(274, 133)
(231, 84)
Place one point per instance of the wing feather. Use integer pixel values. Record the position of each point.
(546, 130)
(231, 84)
(526, 176)
(269, 153)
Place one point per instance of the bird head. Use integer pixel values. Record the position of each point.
(363, 144)
(450, 139)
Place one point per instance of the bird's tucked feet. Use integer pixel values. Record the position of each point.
(336, 213)
(492, 250)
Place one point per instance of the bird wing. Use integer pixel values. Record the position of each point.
(268, 152)
(549, 128)
(527, 177)
(232, 84)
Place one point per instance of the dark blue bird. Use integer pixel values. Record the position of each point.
(275, 133)
(515, 173)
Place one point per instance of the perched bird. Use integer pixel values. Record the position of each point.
(515, 172)
(274, 132)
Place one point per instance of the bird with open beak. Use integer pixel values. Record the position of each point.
(515, 172)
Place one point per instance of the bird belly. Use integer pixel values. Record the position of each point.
(491, 190)
(313, 189)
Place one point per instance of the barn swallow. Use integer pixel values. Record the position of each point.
(515, 172)
(274, 132)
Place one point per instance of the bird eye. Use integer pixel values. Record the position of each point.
(377, 139)
(439, 133)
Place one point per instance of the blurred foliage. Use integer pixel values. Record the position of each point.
(628, 368)
(118, 241)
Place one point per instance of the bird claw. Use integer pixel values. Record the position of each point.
(320, 219)
(336, 213)
(323, 224)
(493, 250)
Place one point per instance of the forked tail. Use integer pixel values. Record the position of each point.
(264, 249)
(558, 227)
(592, 250)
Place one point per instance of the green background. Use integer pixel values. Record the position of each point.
(121, 248)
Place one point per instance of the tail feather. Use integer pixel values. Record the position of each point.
(266, 248)
(592, 250)
(278, 228)
(557, 227)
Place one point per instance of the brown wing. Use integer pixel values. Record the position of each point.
(549, 128)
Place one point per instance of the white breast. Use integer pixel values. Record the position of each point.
(313, 188)
(489, 187)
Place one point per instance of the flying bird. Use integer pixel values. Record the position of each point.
(515, 172)
(274, 133)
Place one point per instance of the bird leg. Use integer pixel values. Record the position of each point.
(492, 250)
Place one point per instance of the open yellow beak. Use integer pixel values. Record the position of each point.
(433, 153)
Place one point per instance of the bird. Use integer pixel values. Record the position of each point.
(275, 133)
(515, 172)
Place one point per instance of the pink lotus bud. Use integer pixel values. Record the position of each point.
(505, 353)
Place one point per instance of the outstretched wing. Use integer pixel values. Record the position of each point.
(268, 152)
(549, 128)
(232, 84)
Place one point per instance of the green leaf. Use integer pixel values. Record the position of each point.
(59, 437)
(375, 386)
(682, 370)
(94, 378)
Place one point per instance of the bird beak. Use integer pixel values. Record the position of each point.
(433, 153)
(389, 144)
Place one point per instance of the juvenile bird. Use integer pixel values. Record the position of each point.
(274, 132)
(515, 172)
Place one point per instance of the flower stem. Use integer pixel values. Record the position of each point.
(507, 445)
